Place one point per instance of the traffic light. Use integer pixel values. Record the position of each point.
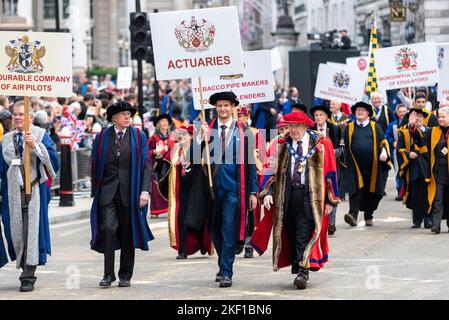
(140, 35)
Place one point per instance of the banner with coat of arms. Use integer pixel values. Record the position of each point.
(410, 65)
(342, 82)
(196, 43)
(36, 64)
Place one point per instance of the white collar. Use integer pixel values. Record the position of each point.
(305, 140)
(117, 130)
(228, 124)
(338, 115)
(364, 123)
(319, 128)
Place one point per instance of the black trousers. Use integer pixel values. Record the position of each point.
(364, 200)
(299, 223)
(28, 272)
(116, 226)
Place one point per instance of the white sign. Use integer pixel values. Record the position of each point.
(360, 63)
(336, 64)
(196, 43)
(124, 78)
(443, 64)
(36, 64)
(256, 84)
(276, 61)
(406, 66)
(346, 84)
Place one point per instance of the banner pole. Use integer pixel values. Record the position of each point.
(27, 152)
(203, 119)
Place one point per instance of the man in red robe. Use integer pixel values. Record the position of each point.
(298, 199)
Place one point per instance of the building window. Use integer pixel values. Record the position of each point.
(9, 7)
(50, 12)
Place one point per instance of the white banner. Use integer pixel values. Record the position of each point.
(256, 84)
(406, 66)
(443, 65)
(346, 83)
(276, 61)
(196, 43)
(36, 64)
(124, 78)
(360, 63)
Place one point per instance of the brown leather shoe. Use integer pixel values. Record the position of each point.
(369, 223)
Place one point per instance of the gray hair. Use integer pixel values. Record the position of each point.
(376, 94)
(444, 109)
(444, 103)
(41, 118)
(21, 103)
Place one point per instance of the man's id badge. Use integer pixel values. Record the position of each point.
(16, 162)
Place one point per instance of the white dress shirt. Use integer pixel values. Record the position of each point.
(305, 149)
(117, 131)
(323, 130)
(228, 126)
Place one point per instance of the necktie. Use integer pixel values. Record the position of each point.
(322, 130)
(223, 141)
(296, 178)
(119, 141)
(20, 143)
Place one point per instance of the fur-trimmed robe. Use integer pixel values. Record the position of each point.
(322, 179)
(44, 169)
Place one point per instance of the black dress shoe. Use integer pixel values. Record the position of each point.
(249, 253)
(181, 256)
(435, 230)
(301, 279)
(225, 282)
(239, 249)
(218, 277)
(26, 285)
(107, 281)
(416, 226)
(331, 230)
(398, 198)
(124, 283)
(203, 251)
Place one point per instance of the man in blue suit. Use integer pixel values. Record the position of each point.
(235, 180)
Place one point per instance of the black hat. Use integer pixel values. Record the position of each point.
(225, 95)
(162, 116)
(364, 105)
(424, 112)
(119, 107)
(321, 107)
(300, 106)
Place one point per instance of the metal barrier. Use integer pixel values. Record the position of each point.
(81, 170)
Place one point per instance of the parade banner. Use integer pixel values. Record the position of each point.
(256, 84)
(36, 64)
(443, 65)
(344, 83)
(124, 78)
(406, 66)
(196, 43)
(360, 63)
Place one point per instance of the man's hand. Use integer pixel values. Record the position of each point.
(383, 157)
(395, 144)
(413, 155)
(144, 198)
(273, 111)
(204, 130)
(252, 202)
(28, 138)
(328, 209)
(267, 202)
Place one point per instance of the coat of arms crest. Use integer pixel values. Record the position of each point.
(341, 80)
(406, 59)
(25, 55)
(195, 36)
